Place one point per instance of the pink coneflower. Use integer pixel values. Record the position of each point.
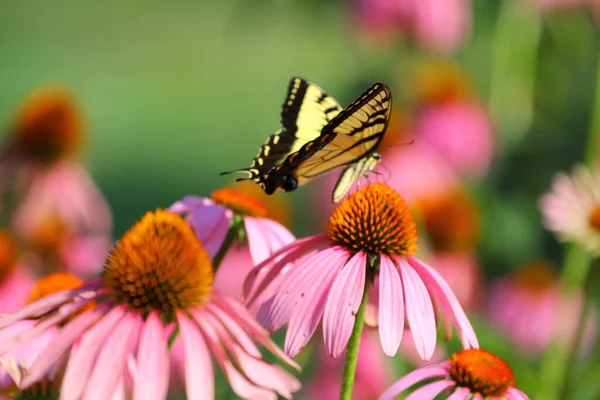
(370, 234)
(157, 279)
(471, 373)
(15, 278)
(572, 209)
(533, 293)
(229, 215)
(15, 363)
(438, 26)
(47, 184)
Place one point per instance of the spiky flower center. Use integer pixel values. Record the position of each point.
(594, 218)
(8, 254)
(374, 219)
(481, 372)
(48, 126)
(53, 283)
(239, 203)
(159, 265)
(451, 222)
(536, 276)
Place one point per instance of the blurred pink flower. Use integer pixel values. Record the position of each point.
(462, 134)
(232, 272)
(213, 219)
(328, 283)
(533, 293)
(471, 373)
(53, 201)
(15, 278)
(572, 209)
(373, 372)
(463, 275)
(115, 327)
(439, 26)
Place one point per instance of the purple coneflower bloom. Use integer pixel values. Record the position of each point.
(469, 374)
(115, 330)
(370, 234)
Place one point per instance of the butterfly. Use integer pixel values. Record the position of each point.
(318, 135)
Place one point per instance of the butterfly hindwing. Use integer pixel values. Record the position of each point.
(352, 174)
(306, 110)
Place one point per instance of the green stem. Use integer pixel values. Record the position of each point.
(353, 345)
(232, 235)
(173, 337)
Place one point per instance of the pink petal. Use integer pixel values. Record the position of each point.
(242, 317)
(265, 237)
(515, 394)
(418, 375)
(257, 370)
(462, 393)
(84, 353)
(342, 304)
(308, 312)
(240, 385)
(293, 290)
(199, 375)
(110, 365)
(391, 307)
(153, 361)
(447, 300)
(431, 390)
(211, 224)
(263, 274)
(419, 310)
(59, 345)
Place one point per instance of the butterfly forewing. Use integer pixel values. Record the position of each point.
(353, 134)
(306, 110)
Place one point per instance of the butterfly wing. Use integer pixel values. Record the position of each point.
(353, 134)
(306, 110)
(352, 174)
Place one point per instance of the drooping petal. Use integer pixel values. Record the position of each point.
(265, 237)
(258, 371)
(199, 375)
(447, 301)
(308, 312)
(59, 345)
(242, 317)
(418, 375)
(342, 304)
(111, 361)
(391, 307)
(239, 383)
(419, 310)
(459, 394)
(153, 360)
(431, 390)
(515, 394)
(211, 224)
(84, 355)
(294, 289)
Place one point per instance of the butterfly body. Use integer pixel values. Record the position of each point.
(317, 136)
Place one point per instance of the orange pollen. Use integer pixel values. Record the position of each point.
(53, 283)
(159, 265)
(537, 276)
(239, 203)
(594, 218)
(374, 219)
(451, 222)
(481, 372)
(48, 125)
(8, 254)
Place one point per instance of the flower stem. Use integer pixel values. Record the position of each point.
(353, 345)
(232, 235)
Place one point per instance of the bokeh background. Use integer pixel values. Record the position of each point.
(175, 92)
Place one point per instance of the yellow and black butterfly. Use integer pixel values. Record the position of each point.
(317, 136)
